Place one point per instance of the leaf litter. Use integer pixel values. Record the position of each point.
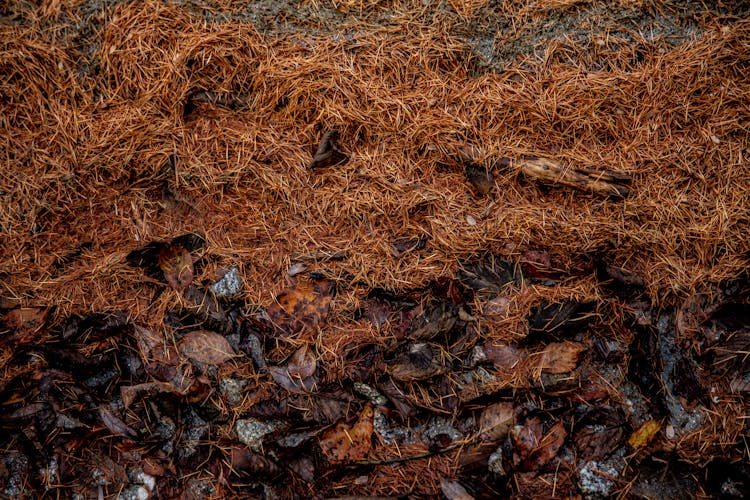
(380, 259)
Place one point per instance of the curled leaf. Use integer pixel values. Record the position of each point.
(297, 375)
(177, 264)
(328, 152)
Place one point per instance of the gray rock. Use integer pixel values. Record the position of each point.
(230, 284)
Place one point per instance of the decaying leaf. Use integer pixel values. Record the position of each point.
(328, 153)
(600, 432)
(344, 443)
(453, 490)
(560, 357)
(177, 264)
(25, 323)
(505, 357)
(525, 438)
(406, 245)
(489, 276)
(419, 362)
(297, 375)
(546, 449)
(130, 393)
(115, 424)
(557, 317)
(495, 421)
(643, 436)
(480, 177)
(206, 347)
(435, 320)
(304, 305)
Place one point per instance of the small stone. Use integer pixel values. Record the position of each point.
(134, 492)
(230, 284)
(715, 139)
(251, 431)
(232, 389)
(593, 481)
(373, 395)
(471, 220)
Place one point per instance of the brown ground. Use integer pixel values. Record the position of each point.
(519, 266)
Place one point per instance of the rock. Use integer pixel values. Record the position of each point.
(230, 284)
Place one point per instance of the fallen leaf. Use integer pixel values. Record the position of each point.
(400, 401)
(115, 424)
(206, 347)
(130, 393)
(435, 320)
(560, 357)
(490, 276)
(25, 322)
(547, 448)
(525, 438)
(453, 490)
(480, 178)
(644, 434)
(406, 245)
(495, 421)
(297, 375)
(328, 152)
(419, 362)
(537, 264)
(177, 264)
(304, 305)
(345, 443)
(504, 357)
(600, 432)
(557, 317)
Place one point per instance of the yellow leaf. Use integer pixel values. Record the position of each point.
(644, 434)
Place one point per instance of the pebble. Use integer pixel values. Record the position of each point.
(230, 284)
(251, 431)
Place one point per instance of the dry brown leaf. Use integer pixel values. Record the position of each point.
(546, 449)
(328, 153)
(560, 357)
(344, 443)
(130, 393)
(504, 357)
(177, 264)
(495, 421)
(297, 375)
(206, 347)
(453, 490)
(304, 305)
(25, 322)
(644, 434)
(419, 362)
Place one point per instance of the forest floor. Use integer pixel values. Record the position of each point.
(335, 249)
